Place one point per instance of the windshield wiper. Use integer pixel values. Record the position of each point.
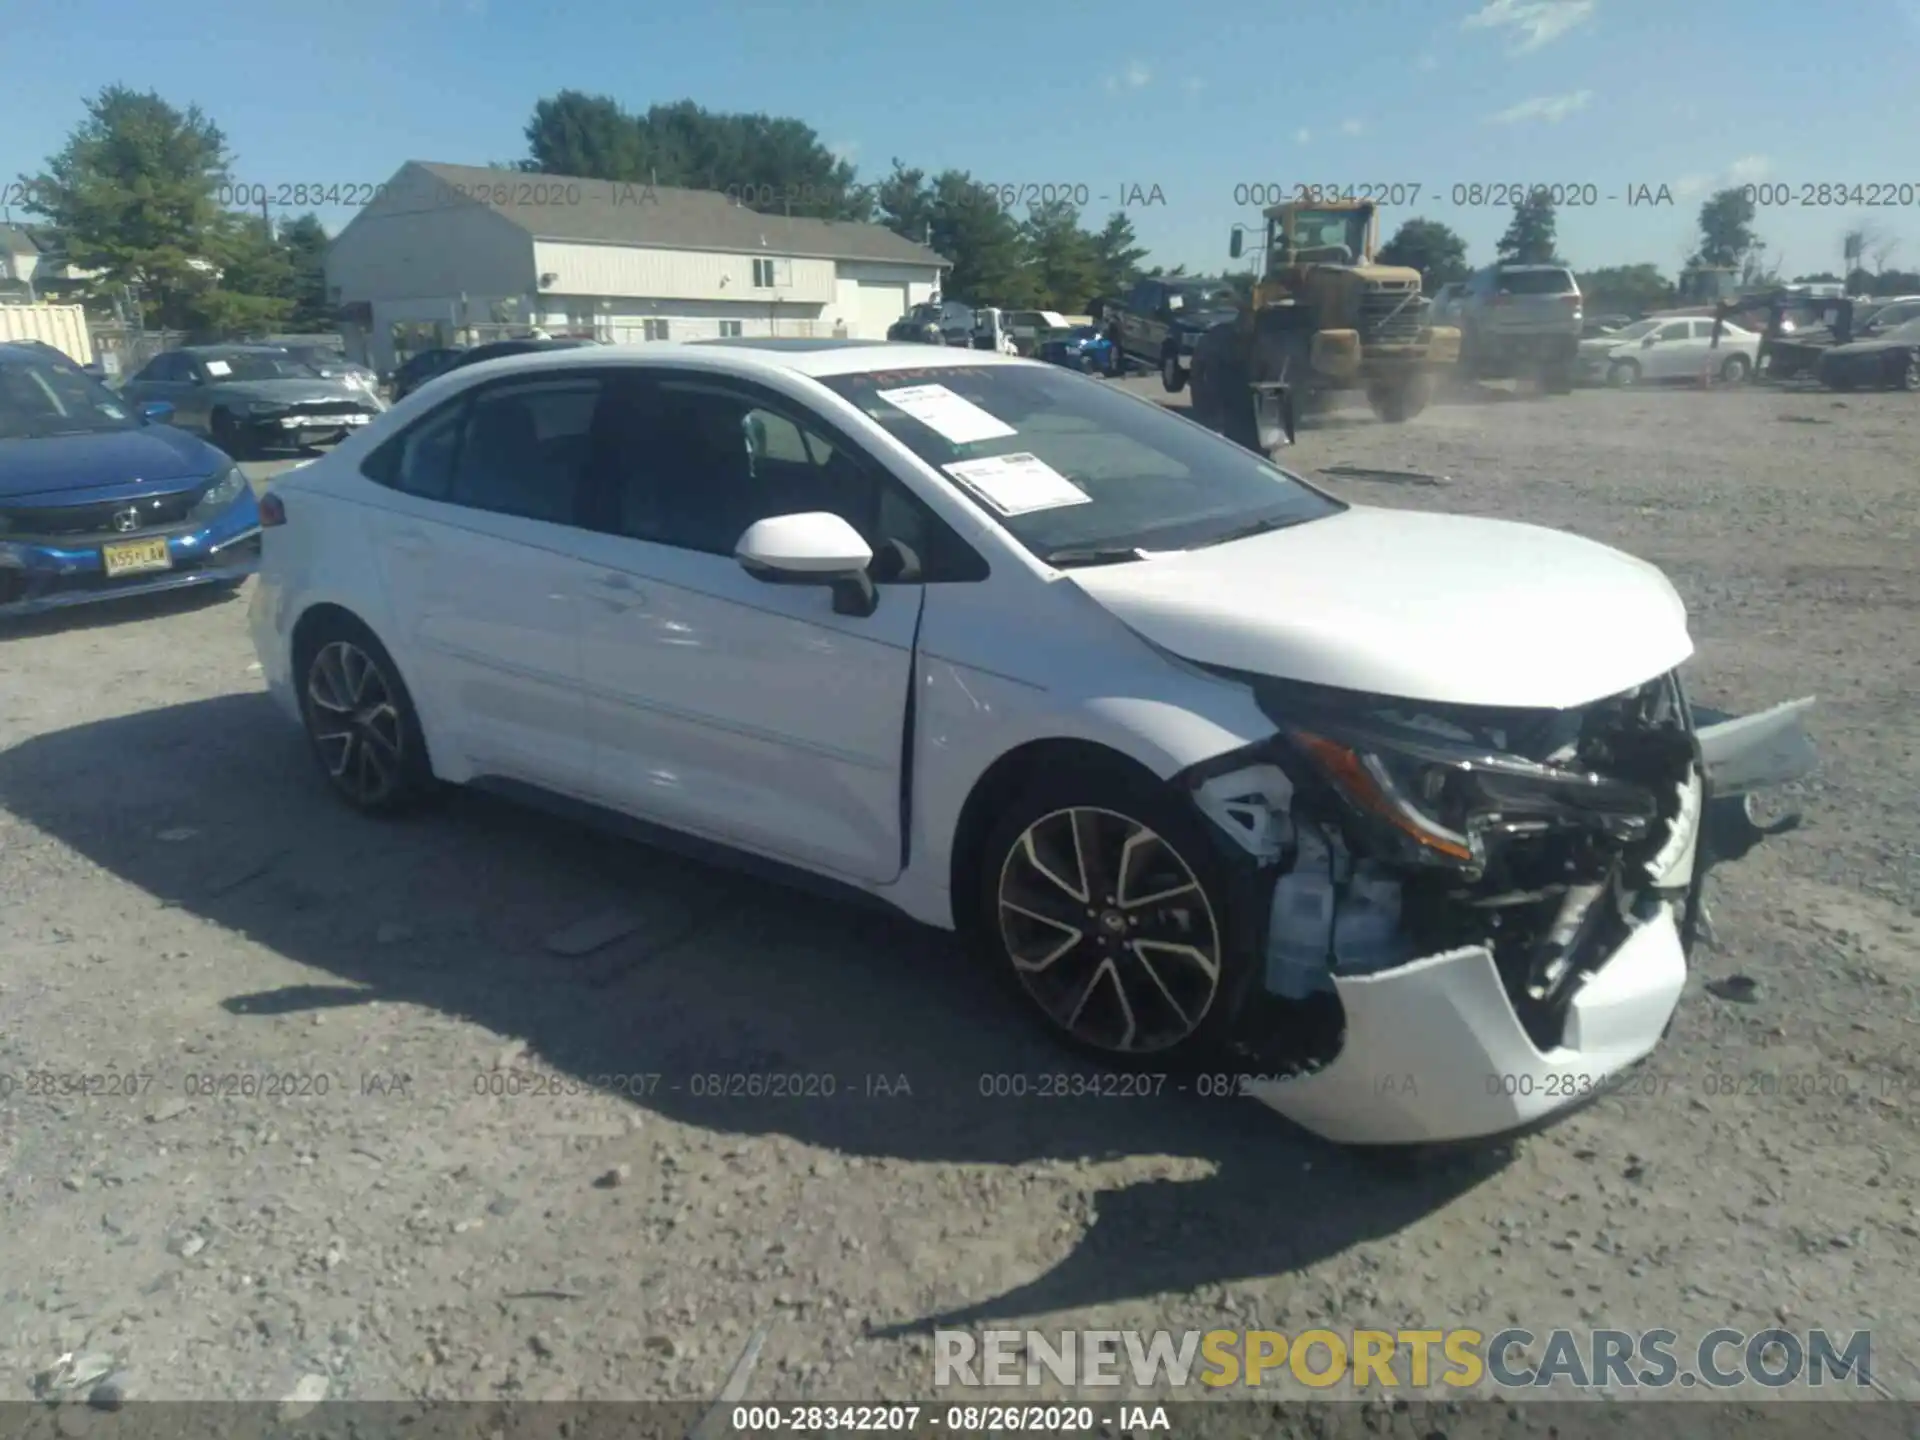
(1071, 555)
(1258, 527)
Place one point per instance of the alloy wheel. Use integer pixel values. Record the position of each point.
(356, 725)
(1109, 930)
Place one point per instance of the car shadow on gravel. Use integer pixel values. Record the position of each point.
(720, 975)
(121, 610)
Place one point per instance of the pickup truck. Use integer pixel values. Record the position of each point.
(1157, 324)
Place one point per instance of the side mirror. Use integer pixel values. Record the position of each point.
(157, 412)
(1237, 242)
(814, 548)
(1649, 342)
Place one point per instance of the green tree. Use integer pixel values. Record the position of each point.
(770, 163)
(989, 253)
(1434, 249)
(250, 288)
(1530, 238)
(574, 133)
(1062, 257)
(1117, 254)
(304, 241)
(1633, 289)
(1727, 238)
(964, 221)
(1824, 277)
(133, 193)
(904, 202)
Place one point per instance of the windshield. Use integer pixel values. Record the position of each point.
(39, 399)
(1064, 462)
(257, 365)
(1320, 235)
(1907, 334)
(1632, 332)
(318, 356)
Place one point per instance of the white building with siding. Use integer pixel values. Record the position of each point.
(446, 253)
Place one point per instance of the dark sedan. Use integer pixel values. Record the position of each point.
(496, 349)
(1888, 361)
(423, 365)
(99, 499)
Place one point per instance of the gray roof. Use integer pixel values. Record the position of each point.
(569, 208)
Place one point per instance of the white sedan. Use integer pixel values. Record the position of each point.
(1401, 816)
(1680, 349)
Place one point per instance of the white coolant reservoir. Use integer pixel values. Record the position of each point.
(1366, 929)
(1300, 932)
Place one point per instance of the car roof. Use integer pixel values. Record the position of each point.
(819, 359)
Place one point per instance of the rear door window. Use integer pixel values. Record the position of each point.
(1537, 282)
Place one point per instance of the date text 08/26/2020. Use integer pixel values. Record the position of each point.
(1585, 194)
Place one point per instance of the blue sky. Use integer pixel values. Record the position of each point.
(1109, 95)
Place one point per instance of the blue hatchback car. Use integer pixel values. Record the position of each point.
(98, 502)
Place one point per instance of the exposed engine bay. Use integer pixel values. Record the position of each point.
(1382, 831)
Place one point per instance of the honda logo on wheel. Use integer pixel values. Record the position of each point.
(127, 520)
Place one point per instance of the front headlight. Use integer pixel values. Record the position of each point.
(264, 407)
(1441, 799)
(219, 495)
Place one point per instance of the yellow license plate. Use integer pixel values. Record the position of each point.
(130, 557)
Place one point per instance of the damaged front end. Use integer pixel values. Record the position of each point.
(1473, 917)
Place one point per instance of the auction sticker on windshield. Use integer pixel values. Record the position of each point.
(953, 417)
(219, 367)
(1018, 484)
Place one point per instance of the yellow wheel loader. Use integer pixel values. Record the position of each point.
(1324, 316)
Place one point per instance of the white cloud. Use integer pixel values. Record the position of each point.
(1134, 77)
(1532, 23)
(1428, 61)
(1302, 136)
(1550, 108)
(1688, 186)
(1749, 168)
(1195, 84)
(1352, 127)
(845, 150)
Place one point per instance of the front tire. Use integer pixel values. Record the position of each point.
(361, 722)
(1736, 370)
(1908, 377)
(1623, 373)
(1173, 379)
(1399, 401)
(1100, 895)
(228, 436)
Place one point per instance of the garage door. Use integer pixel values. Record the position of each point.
(880, 306)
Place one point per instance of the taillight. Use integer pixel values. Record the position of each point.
(273, 510)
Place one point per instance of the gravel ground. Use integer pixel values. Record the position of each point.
(436, 1212)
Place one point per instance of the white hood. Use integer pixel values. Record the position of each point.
(1446, 608)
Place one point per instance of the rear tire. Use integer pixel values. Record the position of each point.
(360, 720)
(1141, 982)
(1908, 377)
(1557, 378)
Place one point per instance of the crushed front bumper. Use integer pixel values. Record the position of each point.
(42, 575)
(1395, 1043)
(1434, 1051)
